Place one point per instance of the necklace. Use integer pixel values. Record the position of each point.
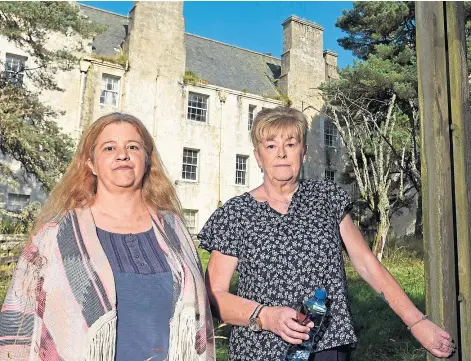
(285, 204)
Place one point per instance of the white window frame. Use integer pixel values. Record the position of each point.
(110, 84)
(191, 220)
(251, 116)
(195, 112)
(330, 134)
(241, 170)
(186, 164)
(330, 174)
(15, 68)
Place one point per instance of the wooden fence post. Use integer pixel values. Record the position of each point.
(446, 167)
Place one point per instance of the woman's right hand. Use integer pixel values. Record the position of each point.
(281, 321)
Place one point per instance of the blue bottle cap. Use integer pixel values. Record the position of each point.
(320, 294)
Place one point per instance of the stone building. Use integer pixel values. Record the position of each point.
(198, 97)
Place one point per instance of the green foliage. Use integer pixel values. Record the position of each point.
(19, 222)
(29, 24)
(28, 131)
(29, 134)
(285, 100)
(382, 36)
(382, 335)
(192, 78)
(121, 59)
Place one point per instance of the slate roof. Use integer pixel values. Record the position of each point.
(108, 42)
(220, 64)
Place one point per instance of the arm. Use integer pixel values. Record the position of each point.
(237, 310)
(432, 337)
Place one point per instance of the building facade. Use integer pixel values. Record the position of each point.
(198, 98)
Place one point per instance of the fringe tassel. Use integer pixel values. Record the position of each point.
(102, 339)
(183, 334)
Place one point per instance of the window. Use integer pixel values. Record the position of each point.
(14, 69)
(16, 202)
(190, 217)
(241, 169)
(330, 175)
(190, 164)
(330, 134)
(198, 107)
(109, 90)
(251, 115)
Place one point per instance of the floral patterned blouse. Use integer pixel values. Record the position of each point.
(282, 258)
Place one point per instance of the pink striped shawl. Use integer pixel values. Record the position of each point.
(61, 304)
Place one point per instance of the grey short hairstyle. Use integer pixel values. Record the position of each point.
(272, 121)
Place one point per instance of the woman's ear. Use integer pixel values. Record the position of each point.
(257, 158)
(90, 165)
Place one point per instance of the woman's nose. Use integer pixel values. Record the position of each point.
(122, 154)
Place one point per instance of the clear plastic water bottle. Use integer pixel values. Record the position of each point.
(316, 309)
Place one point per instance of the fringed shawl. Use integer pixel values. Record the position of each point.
(61, 304)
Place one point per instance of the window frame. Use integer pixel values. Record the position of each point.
(330, 134)
(332, 172)
(111, 91)
(243, 172)
(189, 107)
(194, 214)
(251, 116)
(196, 172)
(22, 62)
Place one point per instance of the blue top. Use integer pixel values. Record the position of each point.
(144, 294)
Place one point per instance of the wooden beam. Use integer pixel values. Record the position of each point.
(461, 152)
(437, 190)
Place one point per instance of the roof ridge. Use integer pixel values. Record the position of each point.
(233, 46)
(105, 11)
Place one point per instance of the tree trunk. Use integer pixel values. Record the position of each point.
(381, 235)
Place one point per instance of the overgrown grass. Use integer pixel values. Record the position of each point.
(381, 334)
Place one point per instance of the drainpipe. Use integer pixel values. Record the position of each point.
(84, 66)
(222, 99)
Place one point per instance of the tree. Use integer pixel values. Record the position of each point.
(382, 36)
(28, 131)
(366, 136)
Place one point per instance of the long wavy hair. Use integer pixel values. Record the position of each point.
(78, 186)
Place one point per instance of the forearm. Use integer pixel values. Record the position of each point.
(381, 280)
(232, 309)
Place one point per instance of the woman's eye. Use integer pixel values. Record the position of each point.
(109, 148)
(134, 147)
(291, 145)
(270, 146)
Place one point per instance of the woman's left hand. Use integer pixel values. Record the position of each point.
(437, 341)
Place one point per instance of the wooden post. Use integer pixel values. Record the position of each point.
(461, 151)
(446, 168)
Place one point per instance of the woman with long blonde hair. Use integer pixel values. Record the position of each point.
(110, 272)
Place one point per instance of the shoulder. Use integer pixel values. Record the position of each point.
(235, 206)
(321, 186)
(315, 186)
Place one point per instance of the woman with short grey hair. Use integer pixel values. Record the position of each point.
(285, 237)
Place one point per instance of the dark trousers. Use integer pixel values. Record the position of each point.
(341, 353)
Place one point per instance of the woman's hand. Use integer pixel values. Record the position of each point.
(435, 340)
(281, 321)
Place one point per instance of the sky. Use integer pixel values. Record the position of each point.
(253, 25)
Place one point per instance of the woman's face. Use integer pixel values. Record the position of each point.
(281, 158)
(119, 158)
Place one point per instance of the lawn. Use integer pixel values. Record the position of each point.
(381, 334)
